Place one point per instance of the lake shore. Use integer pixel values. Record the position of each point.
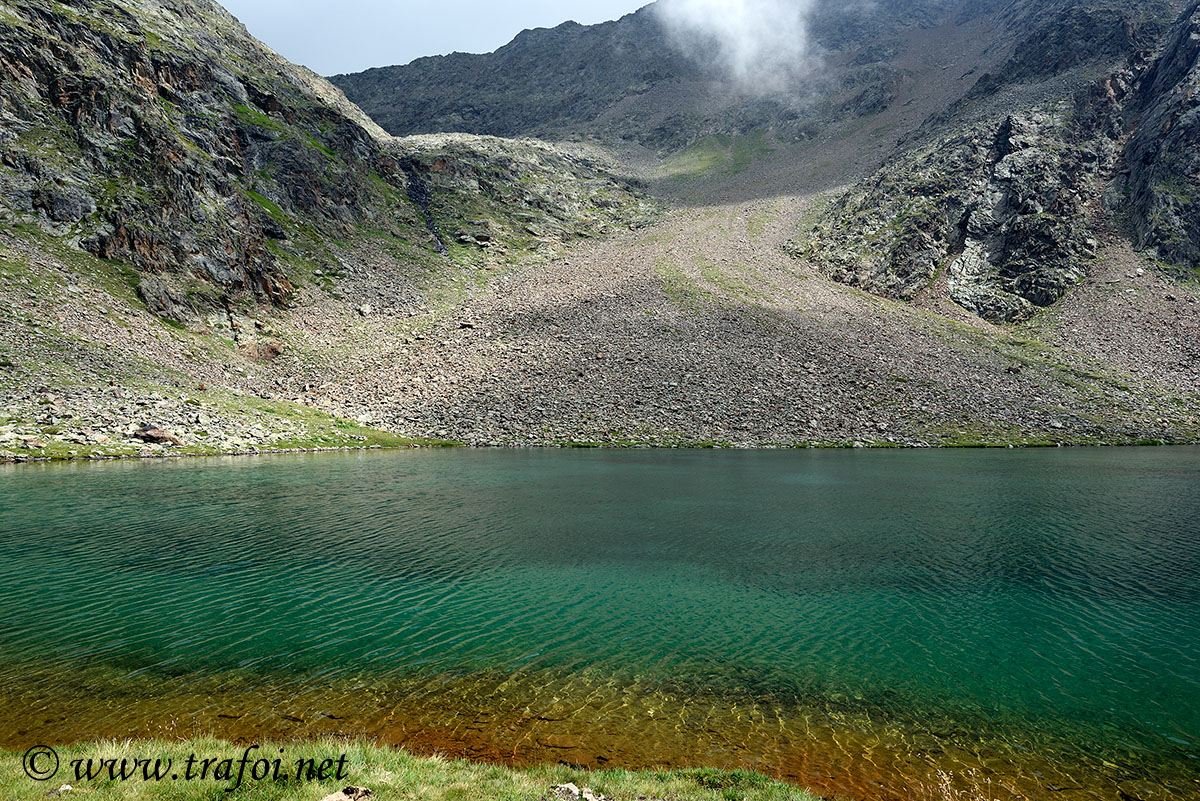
(386, 772)
(645, 338)
(42, 455)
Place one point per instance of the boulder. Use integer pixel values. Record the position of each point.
(262, 350)
(64, 205)
(571, 792)
(157, 436)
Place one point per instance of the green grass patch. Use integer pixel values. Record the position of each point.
(55, 145)
(743, 780)
(118, 278)
(316, 144)
(757, 221)
(731, 285)
(271, 208)
(718, 154)
(388, 772)
(699, 158)
(252, 116)
(680, 287)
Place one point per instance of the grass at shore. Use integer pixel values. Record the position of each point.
(287, 426)
(387, 772)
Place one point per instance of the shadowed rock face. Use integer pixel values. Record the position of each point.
(1000, 208)
(1163, 156)
(543, 81)
(163, 135)
(168, 138)
(628, 80)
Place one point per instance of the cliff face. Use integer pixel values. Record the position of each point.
(169, 137)
(163, 135)
(1162, 177)
(1002, 209)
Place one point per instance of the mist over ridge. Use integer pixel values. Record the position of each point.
(759, 45)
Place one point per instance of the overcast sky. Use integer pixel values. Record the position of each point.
(334, 36)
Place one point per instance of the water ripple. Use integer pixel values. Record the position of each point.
(1037, 611)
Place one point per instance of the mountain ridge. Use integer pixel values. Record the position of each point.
(521, 88)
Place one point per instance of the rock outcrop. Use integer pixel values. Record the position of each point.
(350, 794)
(1162, 181)
(163, 135)
(1000, 208)
(167, 137)
(1008, 208)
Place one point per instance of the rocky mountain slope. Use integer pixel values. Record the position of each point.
(999, 211)
(1001, 127)
(629, 80)
(164, 136)
(1159, 178)
(1003, 216)
(205, 249)
(544, 82)
(989, 192)
(157, 153)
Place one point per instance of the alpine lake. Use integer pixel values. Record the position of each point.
(1019, 623)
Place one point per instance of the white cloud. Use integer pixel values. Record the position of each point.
(761, 45)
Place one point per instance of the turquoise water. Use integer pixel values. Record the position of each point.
(1011, 612)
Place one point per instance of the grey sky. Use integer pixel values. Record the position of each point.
(351, 35)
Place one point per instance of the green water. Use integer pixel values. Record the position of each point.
(1043, 605)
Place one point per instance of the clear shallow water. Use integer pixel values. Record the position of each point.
(856, 621)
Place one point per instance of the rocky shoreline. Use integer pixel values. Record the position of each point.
(9, 457)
